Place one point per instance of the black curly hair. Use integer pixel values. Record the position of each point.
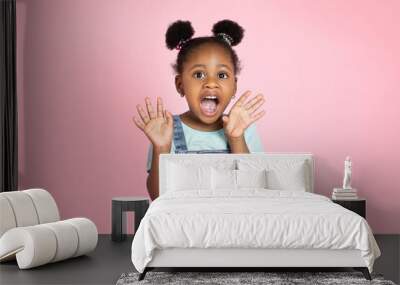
(180, 34)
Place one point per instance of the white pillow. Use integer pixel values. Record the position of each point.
(293, 178)
(251, 178)
(223, 179)
(183, 177)
(281, 174)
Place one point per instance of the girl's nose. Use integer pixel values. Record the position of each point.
(211, 83)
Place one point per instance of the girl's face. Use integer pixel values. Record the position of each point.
(208, 82)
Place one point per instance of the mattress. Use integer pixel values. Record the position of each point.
(251, 218)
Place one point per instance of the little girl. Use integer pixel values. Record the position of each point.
(206, 70)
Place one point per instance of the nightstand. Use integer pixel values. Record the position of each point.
(358, 206)
(121, 205)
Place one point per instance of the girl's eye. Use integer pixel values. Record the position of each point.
(199, 75)
(223, 74)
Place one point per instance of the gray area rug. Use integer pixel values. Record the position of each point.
(270, 278)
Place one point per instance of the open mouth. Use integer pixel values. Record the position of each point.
(209, 105)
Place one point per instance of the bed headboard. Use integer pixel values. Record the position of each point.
(218, 160)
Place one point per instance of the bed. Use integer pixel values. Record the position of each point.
(247, 210)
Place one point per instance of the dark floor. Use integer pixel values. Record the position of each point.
(111, 259)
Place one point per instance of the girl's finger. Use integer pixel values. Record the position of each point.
(150, 108)
(143, 114)
(253, 101)
(160, 108)
(169, 119)
(138, 123)
(242, 98)
(257, 116)
(255, 107)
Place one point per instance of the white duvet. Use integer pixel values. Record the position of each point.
(250, 218)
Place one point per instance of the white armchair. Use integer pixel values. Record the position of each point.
(32, 233)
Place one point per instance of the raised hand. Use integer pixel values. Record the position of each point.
(242, 115)
(158, 127)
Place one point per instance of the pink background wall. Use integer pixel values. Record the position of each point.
(329, 69)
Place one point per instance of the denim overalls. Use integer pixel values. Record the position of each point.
(180, 142)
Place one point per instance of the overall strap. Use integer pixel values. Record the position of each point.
(179, 136)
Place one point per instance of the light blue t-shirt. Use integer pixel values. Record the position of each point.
(211, 140)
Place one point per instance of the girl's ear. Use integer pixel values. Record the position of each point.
(178, 85)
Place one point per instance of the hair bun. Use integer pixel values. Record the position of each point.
(178, 31)
(232, 29)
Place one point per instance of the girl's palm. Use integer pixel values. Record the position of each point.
(158, 131)
(242, 115)
(158, 127)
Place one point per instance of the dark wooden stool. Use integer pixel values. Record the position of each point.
(121, 205)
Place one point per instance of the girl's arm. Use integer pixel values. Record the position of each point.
(238, 145)
(153, 177)
(158, 127)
